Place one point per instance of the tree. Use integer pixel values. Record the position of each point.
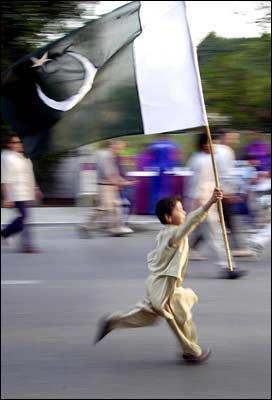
(265, 19)
(236, 79)
(29, 24)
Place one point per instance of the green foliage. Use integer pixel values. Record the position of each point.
(26, 24)
(236, 79)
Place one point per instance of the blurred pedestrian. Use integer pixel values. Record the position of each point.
(198, 191)
(126, 205)
(224, 140)
(18, 189)
(109, 182)
(167, 265)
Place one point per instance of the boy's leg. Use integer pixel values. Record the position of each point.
(182, 325)
(141, 315)
(174, 304)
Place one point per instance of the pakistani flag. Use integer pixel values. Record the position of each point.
(132, 71)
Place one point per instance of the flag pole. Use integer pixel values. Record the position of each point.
(220, 206)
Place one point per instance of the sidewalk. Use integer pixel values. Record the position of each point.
(73, 215)
(44, 216)
(65, 216)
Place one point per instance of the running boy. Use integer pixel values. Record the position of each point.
(167, 265)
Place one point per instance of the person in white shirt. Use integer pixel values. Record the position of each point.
(224, 139)
(109, 182)
(18, 189)
(198, 192)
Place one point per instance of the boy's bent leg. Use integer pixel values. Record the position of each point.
(182, 325)
(141, 315)
(176, 309)
(188, 346)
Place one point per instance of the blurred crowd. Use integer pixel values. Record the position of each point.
(134, 184)
(160, 170)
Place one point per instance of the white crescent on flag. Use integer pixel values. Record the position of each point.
(65, 105)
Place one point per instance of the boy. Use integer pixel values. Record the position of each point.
(167, 265)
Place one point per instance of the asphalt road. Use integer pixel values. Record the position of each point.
(51, 303)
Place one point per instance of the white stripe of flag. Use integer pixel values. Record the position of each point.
(167, 71)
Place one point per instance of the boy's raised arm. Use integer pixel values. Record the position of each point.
(195, 217)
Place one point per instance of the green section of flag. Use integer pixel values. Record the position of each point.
(109, 109)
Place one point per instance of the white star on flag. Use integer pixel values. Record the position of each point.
(38, 62)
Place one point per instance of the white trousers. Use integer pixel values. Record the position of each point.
(164, 299)
(211, 231)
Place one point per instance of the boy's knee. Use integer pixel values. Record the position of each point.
(188, 320)
(162, 312)
(191, 295)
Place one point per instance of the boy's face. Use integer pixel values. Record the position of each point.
(177, 216)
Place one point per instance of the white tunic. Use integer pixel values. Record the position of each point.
(202, 182)
(17, 174)
(225, 162)
(170, 259)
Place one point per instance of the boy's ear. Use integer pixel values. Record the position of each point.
(168, 218)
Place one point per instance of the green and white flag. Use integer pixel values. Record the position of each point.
(132, 71)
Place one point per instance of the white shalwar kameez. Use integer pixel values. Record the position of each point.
(165, 297)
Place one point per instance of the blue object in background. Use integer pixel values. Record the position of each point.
(164, 155)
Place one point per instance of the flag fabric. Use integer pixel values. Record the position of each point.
(132, 71)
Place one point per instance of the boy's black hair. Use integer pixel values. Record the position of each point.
(165, 206)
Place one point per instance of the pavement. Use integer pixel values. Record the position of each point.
(58, 216)
(52, 301)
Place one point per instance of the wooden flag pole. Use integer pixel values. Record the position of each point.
(220, 207)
